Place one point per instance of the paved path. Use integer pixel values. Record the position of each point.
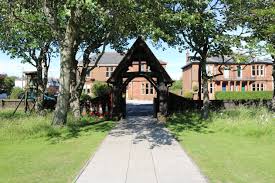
(139, 150)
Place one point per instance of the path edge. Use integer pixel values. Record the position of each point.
(91, 157)
(191, 159)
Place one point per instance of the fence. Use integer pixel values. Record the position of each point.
(12, 103)
(99, 106)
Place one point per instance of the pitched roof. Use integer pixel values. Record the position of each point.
(229, 60)
(113, 58)
(140, 51)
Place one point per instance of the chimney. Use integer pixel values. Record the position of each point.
(187, 56)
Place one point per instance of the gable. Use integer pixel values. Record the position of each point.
(140, 52)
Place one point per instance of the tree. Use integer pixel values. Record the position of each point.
(257, 17)
(16, 93)
(177, 87)
(78, 26)
(6, 84)
(23, 36)
(200, 26)
(86, 26)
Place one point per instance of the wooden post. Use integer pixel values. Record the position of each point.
(26, 101)
(163, 102)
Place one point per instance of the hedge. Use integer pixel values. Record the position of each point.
(248, 95)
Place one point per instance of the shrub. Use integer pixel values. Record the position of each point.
(195, 88)
(176, 87)
(100, 89)
(188, 94)
(249, 95)
(16, 93)
(85, 97)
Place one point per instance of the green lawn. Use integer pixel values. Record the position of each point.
(234, 146)
(31, 150)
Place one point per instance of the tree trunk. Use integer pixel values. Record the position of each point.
(75, 105)
(67, 56)
(75, 94)
(205, 108)
(273, 75)
(40, 89)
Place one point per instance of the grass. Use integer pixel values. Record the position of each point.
(31, 150)
(234, 145)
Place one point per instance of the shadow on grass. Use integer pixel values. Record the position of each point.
(77, 129)
(188, 121)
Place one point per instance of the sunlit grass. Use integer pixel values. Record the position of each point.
(32, 150)
(234, 145)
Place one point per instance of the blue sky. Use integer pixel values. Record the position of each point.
(174, 59)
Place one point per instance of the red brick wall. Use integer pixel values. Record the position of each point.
(134, 91)
(245, 80)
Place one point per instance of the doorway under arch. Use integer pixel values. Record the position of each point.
(139, 54)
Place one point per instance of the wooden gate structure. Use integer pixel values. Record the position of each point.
(139, 53)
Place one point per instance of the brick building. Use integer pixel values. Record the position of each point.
(254, 75)
(138, 89)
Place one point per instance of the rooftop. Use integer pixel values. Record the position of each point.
(113, 58)
(229, 60)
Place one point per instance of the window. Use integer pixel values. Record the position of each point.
(143, 68)
(253, 70)
(211, 90)
(262, 87)
(226, 72)
(257, 70)
(261, 70)
(147, 89)
(239, 71)
(258, 87)
(109, 71)
(253, 87)
(142, 88)
(88, 90)
(209, 70)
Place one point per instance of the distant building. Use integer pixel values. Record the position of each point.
(138, 89)
(253, 75)
(53, 86)
(19, 82)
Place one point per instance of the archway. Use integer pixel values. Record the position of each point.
(139, 56)
(140, 96)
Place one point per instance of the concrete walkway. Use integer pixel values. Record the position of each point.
(139, 150)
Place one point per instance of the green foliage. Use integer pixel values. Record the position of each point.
(188, 94)
(248, 95)
(100, 89)
(177, 85)
(6, 84)
(195, 88)
(237, 141)
(16, 93)
(85, 97)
